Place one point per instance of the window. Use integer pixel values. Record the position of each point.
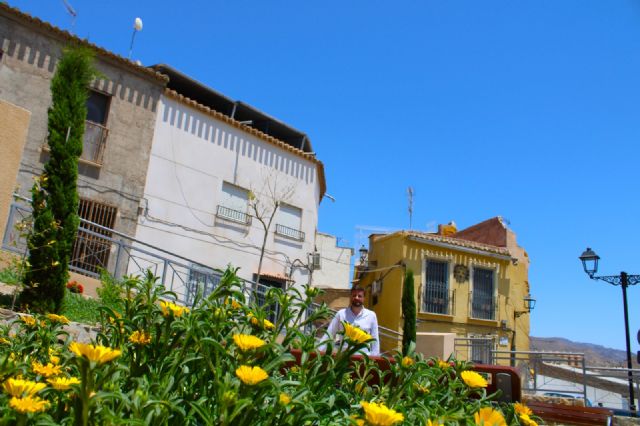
(267, 283)
(92, 246)
(436, 288)
(233, 204)
(95, 130)
(481, 350)
(482, 300)
(289, 222)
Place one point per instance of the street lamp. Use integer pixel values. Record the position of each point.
(529, 304)
(589, 260)
(137, 26)
(364, 253)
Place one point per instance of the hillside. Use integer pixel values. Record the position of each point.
(595, 355)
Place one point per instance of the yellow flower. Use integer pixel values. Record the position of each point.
(487, 416)
(58, 318)
(55, 263)
(526, 420)
(247, 342)
(434, 423)
(53, 357)
(251, 375)
(522, 409)
(284, 398)
(233, 302)
(100, 354)
(63, 383)
(169, 308)
(46, 370)
(4, 341)
(359, 421)
(29, 321)
(407, 361)
(420, 388)
(377, 414)
(443, 364)
(28, 404)
(20, 387)
(356, 334)
(473, 379)
(266, 324)
(140, 338)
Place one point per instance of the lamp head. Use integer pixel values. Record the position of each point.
(589, 260)
(529, 302)
(363, 254)
(137, 24)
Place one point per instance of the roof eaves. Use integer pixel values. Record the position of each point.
(25, 18)
(455, 243)
(255, 132)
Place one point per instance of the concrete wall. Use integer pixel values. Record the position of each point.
(335, 263)
(14, 123)
(193, 154)
(31, 51)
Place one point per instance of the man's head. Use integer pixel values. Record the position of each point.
(357, 296)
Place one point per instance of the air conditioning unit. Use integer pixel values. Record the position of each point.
(314, 263)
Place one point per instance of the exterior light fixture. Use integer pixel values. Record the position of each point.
(364, 254)
(589, 260)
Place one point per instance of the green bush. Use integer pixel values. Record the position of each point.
(224, 362)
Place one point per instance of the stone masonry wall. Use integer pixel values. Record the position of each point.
(27, 61)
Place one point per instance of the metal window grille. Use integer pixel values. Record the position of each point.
(436, 289)
(481, 351)
(482, 300)
(285, 231)
(90, 250)
(233, 215)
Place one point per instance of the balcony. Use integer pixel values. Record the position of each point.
(285, 231)
(437, 299)
(482, 306)
(233, 215)
(94, 141)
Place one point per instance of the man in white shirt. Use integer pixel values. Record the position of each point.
(356, 314)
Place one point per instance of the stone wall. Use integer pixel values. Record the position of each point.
(30, 51)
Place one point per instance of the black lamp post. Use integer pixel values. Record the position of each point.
(589, 260)
(529, 304)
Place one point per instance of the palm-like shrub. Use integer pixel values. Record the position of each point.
(224, 362)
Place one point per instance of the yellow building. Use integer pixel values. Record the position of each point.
(473, 283)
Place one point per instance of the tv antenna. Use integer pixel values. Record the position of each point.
(410, 207)
(72, 12)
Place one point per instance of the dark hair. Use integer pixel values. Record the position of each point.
(357, 288)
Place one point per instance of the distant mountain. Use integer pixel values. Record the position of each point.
(596, 355)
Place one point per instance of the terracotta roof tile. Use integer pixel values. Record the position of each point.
(17, 14)
(458, 242)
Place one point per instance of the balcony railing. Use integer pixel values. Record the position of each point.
(95, 139)
(285, 231)
(233, 215)
(437, 299)
(482, 306)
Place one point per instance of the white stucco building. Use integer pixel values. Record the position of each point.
(211, 159)
(335, 263)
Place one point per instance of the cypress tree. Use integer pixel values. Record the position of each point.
(54, 194)
(409, 310)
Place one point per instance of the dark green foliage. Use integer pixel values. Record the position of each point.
(54, 195)
(409, 310)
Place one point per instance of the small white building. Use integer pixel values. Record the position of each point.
(212, 161)
(334, 265)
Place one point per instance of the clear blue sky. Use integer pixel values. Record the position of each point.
(529, 110)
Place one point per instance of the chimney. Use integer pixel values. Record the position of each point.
(448, 229)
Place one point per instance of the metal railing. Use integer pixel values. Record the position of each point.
(287, 232)
(94, 142)
(482, 306)
(233, 215)
(438, 299)
(475, 349)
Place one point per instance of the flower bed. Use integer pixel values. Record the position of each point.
(226, 361)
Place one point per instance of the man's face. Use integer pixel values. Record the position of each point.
(357, 298)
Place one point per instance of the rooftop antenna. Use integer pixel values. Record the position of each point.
(71, 12)
(137, 26)
(410, 208)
